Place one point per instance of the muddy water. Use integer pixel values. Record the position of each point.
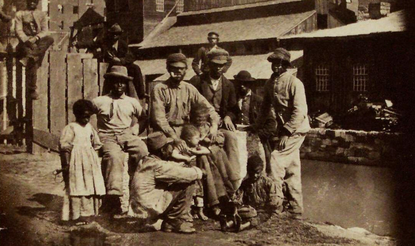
(350, 196)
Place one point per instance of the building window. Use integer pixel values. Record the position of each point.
(160, 5)
(180, 6)
(360, 77)
(75, 10)
(322, 73)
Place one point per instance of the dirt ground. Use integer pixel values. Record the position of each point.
(31, 198)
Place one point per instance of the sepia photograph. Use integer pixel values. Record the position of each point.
(207, 122)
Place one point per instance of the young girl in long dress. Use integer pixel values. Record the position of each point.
(84, 183)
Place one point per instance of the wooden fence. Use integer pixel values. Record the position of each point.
(62, 79)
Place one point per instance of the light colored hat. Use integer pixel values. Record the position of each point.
(218, 56)
(119, 72)
(280, 54)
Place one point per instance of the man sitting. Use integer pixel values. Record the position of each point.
(162, 190)
(115, 112)
(32, 32)
(115, 51)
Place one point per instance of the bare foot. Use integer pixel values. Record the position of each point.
(201, 215)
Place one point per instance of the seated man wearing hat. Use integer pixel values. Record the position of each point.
(115, 51)
(162, 190)
(172, 101)
(34, 40)
(220, 93)
(115, 112)
(286, 95)
(201, 56)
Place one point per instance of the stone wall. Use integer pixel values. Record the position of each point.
(350, 146)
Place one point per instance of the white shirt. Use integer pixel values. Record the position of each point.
(214, 82)
(241, 100)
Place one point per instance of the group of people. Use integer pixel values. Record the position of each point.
(188, 165)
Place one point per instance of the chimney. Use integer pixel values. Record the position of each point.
(379, 10)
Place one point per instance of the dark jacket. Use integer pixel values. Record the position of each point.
(254, 108)
(228, 103)
(123, 53)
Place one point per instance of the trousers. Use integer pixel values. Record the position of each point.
(285, 167)
(113, 158)
(37, 52)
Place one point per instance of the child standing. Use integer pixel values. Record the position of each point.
(191, 135)
(84, 183)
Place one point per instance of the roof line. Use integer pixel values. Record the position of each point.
(314, 12)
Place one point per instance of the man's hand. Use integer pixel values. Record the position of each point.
(31, 43)
(228, 123)
(191, 158)
(180, 144)
(281, 143)
(213, 132)
(116, 59)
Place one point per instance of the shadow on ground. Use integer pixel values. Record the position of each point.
(50, 211)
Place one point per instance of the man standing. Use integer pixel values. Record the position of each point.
(32, 32)
(162, 189)
(201, 55)
(115, 51)
(220, 93)
(172, 101)
(115, 113)
(286, 94)
(249, 103)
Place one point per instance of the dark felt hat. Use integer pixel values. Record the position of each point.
(218, 56)
(177, 60)
(118, 72)
(211, 34)
(115, 29)
(244, 76)
(157, 140)
(280, 54)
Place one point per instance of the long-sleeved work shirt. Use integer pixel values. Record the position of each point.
(171, 106)
(149, 194)
(286, 94)
(30, 24)
(114, 115)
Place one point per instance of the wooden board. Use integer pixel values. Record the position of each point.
(45, 140)
(91, 86)
(74, 82)
(40, 106)
(102, 70)
(57, 91)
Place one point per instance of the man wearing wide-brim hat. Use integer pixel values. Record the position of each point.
(173, 100)
(115, 51)
(249, 103)
(115, 112)
(162, 190)
(286, 95)
(220, 93)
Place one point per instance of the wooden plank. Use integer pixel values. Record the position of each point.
(102, 70)
(57, 91)
(40, 111)
(45, 140)
(40, 106)
(91, 86)
(74, 82)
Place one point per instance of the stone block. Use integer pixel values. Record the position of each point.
(330, 133)
(374, 155)
(349, 138)
(326, 141)
(340, 151)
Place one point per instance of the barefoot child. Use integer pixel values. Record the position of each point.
(191, 135)
(84, 183)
